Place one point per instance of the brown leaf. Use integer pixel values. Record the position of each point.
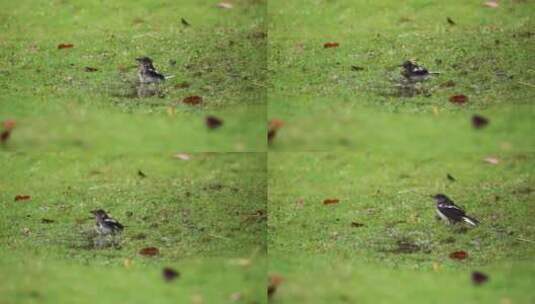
(225, 5)
(450, 177)
(192, 100)
(357, 225)
(492, 4)
(47, 221)
(356, 68)
(22, 197)
(492, 160)
(141, 174)
(479, 278)
(90, 69)
(182, 156)
(459, 99)
(4, 136)
(213, 122)
(184, 22)
(331, 201)
(149, 251)
(458, 255)
(273, 127)
(9, 124)
(479, 121)
(169, 274)
(450, 21)
(328, 45)
(274, 282)
(65, 46)
(182, 85)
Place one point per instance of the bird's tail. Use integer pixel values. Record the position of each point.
(470, 220)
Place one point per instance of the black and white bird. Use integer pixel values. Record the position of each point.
(147, 73)
(414, 72)
(105, 225)
(451, 213)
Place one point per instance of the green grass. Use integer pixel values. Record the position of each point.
(58, 105)
(202, 214)
(401, 254)
(487, 55)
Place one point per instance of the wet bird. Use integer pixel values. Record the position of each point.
(147, 73)
(451, 213)
(106, 225)
(414, 72)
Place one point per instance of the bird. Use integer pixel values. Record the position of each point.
(451, 213)
(106, 225)
(414, 72)
(147, 73)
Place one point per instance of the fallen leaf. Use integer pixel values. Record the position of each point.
(492, 160)
(9, 124)
(182, 156)
(225, 5)
(450, 177)
(213, 122)
(65, 46)
(492, 4)
(479, 278)
(47, 221)
(184, 22)
(357, 225)
(127, 263)
(169, 274)
(26, 231)
(458, 255)
(90, 69)
(459, 99)
(182, 85)
(273, 127)
(331, 201)
(450, 21)
(356, 68)
(300, 202)
(149, 251)
(192, 100)
(274, 282)
(329, 45)
(479, 121)
(4, 136)
(22, 197)
(141, 174)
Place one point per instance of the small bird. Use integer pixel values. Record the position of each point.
(414, 72)
(147, 73)
(451, 213)
(105, 225)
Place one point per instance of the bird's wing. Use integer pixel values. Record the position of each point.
(113, 222)
(452, 212)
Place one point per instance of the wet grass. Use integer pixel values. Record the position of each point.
(219, 56)
(383, 231)
(323, 92)
(206, 216)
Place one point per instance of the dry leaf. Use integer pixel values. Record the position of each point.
(492, 4)
(192, 100)
(274, 282)
(357, 225)
(90, 69)
(47, 221)
(225, 5)
(459, 99)
(331, 201)
(450, 21)
(450, 177)
(329, 45)
(273, 127)
(184, 22)
(458, 255)
(141, 174)
(492, 160)
(169, 274)
(149, 251)
(65, 46)
(300, 202)
(22, 197)
(182, 156)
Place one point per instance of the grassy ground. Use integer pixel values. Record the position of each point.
(485, 56)
(206, 215)
(59, 105)
(401, 252)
